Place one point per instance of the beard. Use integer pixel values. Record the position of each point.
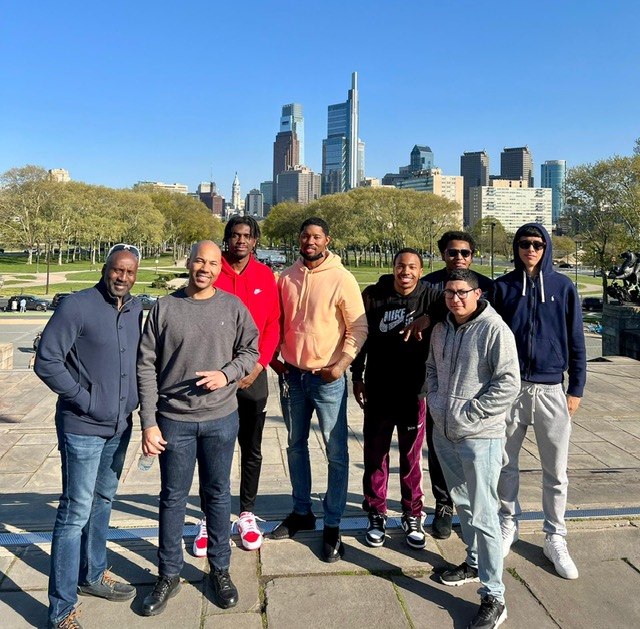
(309, 258)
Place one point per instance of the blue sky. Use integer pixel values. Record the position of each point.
(124, 91)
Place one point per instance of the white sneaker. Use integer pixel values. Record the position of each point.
(200, 542)
(555, 549)
(509, 536)
(250, 534)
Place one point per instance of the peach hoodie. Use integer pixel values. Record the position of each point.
(322, 314)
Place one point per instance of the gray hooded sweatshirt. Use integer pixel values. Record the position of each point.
(473, 376)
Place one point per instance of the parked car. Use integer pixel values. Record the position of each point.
(58, 297)
(592, 303)
(33, 303)
(565, 265)
(147, 301)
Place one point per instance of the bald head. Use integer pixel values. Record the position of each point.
(204, 268)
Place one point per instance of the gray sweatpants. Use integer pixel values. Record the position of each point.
(544, 406)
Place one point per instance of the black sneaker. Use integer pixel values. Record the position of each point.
(492, 613)
(377, 527)
(460, 575)
(164, 589)
(225, 591)
(442, 520)
(332, 546)
(293, 523)
(108, 588)
(412, 527)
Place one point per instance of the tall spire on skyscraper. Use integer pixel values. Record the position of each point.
(235, 193)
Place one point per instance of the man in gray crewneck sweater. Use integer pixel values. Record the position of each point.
(197, 343)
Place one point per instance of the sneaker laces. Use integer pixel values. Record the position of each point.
(444, 511)
(413, 524)
(71, 621)
(377, 520)
(487, 605)
(507, 531)
(248, 521)
(559, 545)
(203, 528)
(107, 579)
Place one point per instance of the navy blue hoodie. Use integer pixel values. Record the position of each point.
(545, 316)
(87, 355)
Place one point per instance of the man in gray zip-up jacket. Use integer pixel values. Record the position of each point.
(473, 377)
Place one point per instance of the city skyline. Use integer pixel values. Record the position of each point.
(137, 97)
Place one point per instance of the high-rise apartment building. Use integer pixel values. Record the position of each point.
(266, 187)
(553, 174)
(300, 185)
(517, 163)
(474, 168)
(253, 205)
(512, 206)
(286, 155)
(292, 119)
(208, 194)
(342, 150)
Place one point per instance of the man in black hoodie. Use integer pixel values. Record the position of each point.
(392, 393)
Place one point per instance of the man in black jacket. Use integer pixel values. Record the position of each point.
(392, 393)
(87, 356)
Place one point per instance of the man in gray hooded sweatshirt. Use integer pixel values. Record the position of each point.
(472, 380)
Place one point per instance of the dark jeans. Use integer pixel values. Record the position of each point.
(438, 483)
(379, 421)
(211, 443)
(91, 469)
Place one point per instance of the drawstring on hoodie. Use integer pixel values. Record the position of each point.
(524, 285)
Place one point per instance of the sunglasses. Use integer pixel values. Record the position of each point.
(526, 244)
(460, 294)
(121, 246)
(454, 253)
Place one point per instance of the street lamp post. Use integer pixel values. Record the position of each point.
(493, 225)
(157, 262)
(578, 244)
(431, 245)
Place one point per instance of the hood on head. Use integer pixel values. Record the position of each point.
(546, 264)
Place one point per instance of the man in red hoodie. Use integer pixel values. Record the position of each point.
(254, 284)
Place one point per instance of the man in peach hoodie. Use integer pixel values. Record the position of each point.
(324, 325)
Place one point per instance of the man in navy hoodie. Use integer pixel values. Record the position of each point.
(87, 355)
(542, 308)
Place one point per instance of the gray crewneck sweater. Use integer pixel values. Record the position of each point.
(183, 335)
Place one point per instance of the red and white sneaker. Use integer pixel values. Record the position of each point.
(250, 534)
(200, 542)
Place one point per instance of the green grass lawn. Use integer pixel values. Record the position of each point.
(18, 264)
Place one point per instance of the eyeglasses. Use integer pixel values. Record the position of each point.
(527, 244)
(454, 253)
(121, 246)
(460, 294)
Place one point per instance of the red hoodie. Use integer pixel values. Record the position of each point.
(256, 288)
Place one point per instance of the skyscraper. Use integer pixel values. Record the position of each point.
(553, 174)
(342, 151)
(300, 185)
(474, 168)
(235, 194)
(293, 120)
(286, 148)
(517, 163)
(421, 158)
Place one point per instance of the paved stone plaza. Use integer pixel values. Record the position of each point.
(286, 585)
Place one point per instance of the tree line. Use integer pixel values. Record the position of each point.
(62, 219)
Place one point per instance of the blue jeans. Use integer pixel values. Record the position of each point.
(472, 468)
(91, 469)
(301, 393)
(212, 443)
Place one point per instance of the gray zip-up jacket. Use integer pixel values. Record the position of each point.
(473, 376)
